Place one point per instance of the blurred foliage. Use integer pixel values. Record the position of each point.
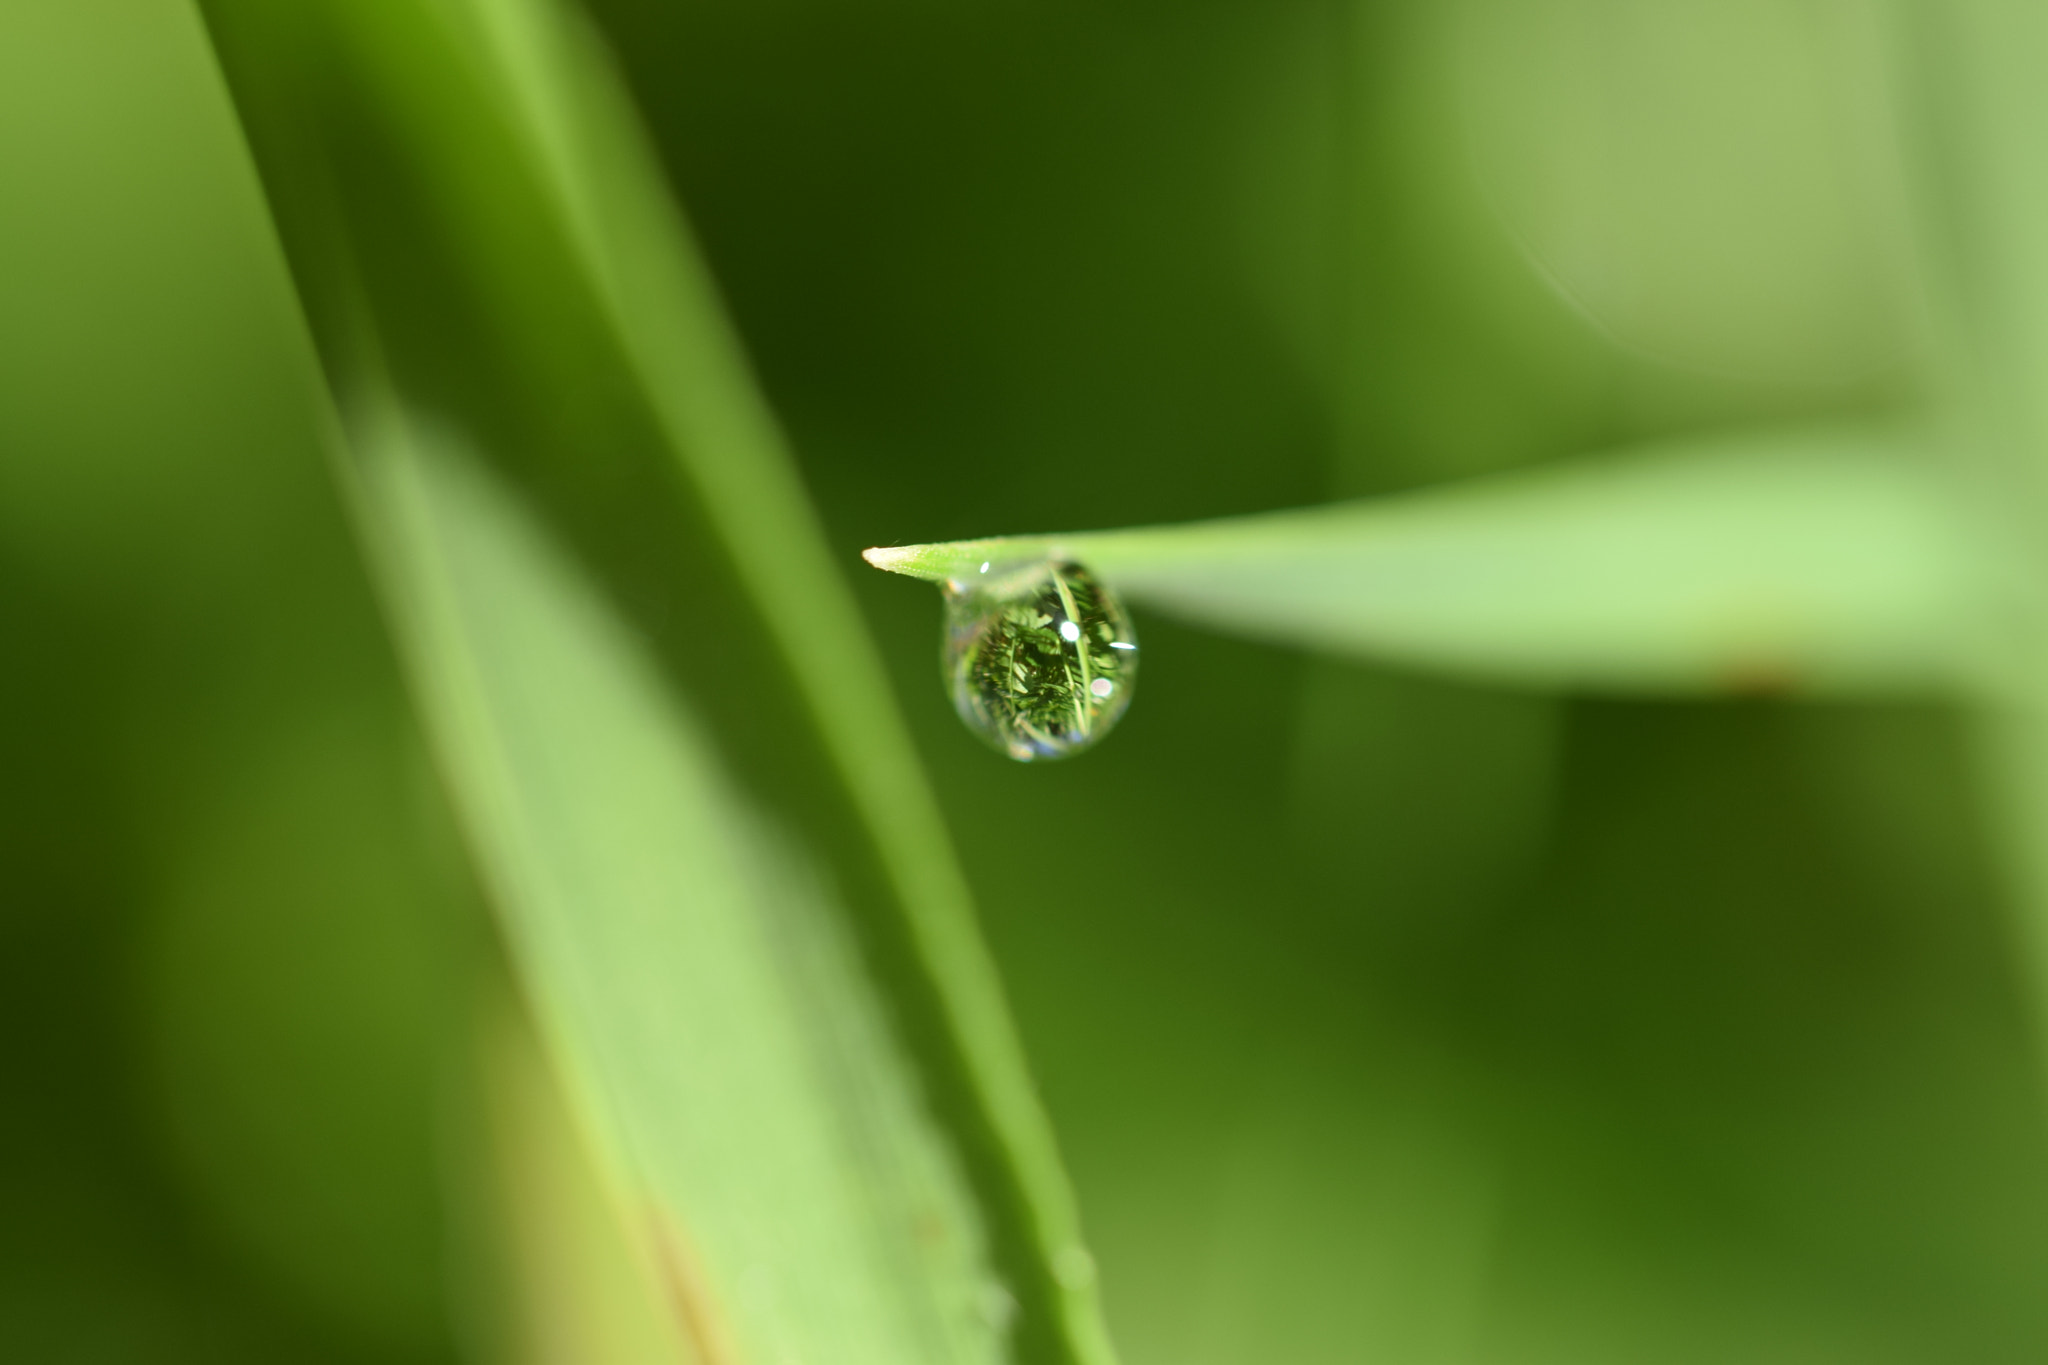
(724, 888)
(232, 909)
(1407, 1021)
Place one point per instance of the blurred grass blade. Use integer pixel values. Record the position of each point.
(1807, 560)
(596, 166)
(557, 1275)
(1971, 74)
(695, 959)
(726, 887)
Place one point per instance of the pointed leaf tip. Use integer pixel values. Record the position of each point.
(937, 563)
(918, 561)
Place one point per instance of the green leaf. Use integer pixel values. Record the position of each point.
(727, 889)
(1969, 72)
(1798, 561)
(694, 956)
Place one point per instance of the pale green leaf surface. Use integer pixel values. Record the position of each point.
(1809, 560)
(695, 967)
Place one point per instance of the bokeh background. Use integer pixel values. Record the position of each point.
(1403, 1020)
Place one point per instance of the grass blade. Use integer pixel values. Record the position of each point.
(694, 959)
(726, 886)
(1804, 561)
(1969, 72)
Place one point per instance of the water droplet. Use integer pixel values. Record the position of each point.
(1040, 657)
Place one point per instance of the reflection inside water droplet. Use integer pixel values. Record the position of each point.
(1040, 657)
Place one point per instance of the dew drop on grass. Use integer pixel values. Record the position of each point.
(1040, 657)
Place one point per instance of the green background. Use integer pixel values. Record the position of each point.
(1395, 1020)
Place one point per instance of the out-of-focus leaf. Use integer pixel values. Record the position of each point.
(1971, 70)
(1790, 562)
(693, 954)
(577, 1287)
(725, 886)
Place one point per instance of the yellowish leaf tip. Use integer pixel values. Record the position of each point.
(891, 558)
